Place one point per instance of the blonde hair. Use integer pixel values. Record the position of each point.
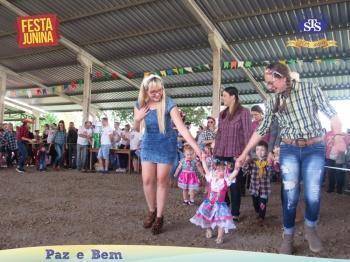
(147, 83)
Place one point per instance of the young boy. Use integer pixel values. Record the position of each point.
(260, 185)
(42, 156)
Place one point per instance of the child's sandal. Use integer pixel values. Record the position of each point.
(185, 203)
(209, 233)
(150, 218)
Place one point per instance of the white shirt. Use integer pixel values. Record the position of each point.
(123, 141)
(106, 132)
(84, 131)
(50, 135)
(117, 136)
(135, 138)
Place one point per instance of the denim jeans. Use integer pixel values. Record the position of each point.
(42, 162)
(59, 154)
(81, 156)
(307, 164)
(23, 154)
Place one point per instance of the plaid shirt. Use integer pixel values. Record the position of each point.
(300, 118)
(259, 186)
(59, 138)
(208, 135)
(10, 138)
(233, 135)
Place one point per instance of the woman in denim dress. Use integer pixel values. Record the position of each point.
(155, 113)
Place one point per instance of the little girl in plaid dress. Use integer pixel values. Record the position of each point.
(260, 185)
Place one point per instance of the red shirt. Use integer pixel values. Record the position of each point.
(255, 125)
(233, 135)
(22, 132)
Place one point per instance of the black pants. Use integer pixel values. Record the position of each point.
(10, 158)
(123, 158)
(235, 190)
(336, 179)
(260, 206)
(72, 155)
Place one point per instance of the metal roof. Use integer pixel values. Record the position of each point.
(151, 35)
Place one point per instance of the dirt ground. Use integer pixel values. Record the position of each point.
(68, 207)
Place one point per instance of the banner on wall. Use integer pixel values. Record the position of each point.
(323, 43)
(39, 30)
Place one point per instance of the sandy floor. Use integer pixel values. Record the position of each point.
(74, 208)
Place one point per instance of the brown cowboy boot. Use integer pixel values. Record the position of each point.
(315, 244)
(158, 225)
(287, 244)
(150, 218)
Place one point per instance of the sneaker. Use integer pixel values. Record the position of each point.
(21, 171)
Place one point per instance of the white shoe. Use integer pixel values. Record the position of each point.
(209, 233)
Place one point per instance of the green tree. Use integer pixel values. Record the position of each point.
(49, 118)
(196, 115)
(124, 115)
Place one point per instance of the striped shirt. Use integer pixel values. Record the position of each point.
(300, 117)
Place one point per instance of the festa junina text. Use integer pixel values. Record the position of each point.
(37, 31)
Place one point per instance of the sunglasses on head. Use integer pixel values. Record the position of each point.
(276, 74)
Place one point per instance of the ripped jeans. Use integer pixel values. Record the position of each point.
(307, 164)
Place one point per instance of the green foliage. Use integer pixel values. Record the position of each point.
(196, 115)
(49, 118)
(125, 116)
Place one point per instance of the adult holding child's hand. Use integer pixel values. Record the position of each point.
(155, 113)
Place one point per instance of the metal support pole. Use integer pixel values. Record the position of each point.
(87, 64)
(3, 77)
(216, 51)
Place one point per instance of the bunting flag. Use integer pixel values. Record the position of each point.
(29, 93)
(234, 64)
(115, 76)
(169, 72)
(73, 85)
(102, 75)
(247, 64)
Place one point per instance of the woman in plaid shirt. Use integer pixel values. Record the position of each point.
(302, 151)
(234, 131)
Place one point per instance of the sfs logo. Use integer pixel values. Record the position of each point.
(313, 25)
